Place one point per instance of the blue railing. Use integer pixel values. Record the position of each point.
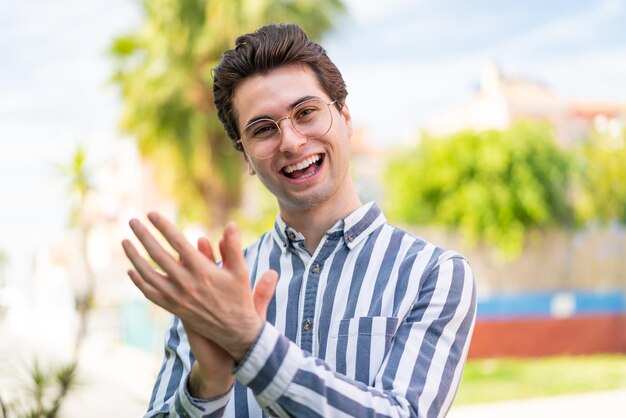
(552, 304)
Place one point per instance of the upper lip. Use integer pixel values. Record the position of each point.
(292, 165)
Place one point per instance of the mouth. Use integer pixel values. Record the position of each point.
(303, 169)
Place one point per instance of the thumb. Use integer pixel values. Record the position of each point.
(263, 292)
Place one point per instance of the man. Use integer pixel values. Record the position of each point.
(349, 316)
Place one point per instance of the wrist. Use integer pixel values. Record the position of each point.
(206, 387)
(246, 340)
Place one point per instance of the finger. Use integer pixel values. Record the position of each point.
(204, 246)
(163, 258)
(175, 238)
(263, 292)
(220, 245)
(145, 271)
(230, 248)
(150, 292)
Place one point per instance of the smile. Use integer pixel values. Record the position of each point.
(303, 169)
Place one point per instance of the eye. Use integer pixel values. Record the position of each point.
(261, 130)
(307, 112)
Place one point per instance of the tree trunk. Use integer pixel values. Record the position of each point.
(84, 300)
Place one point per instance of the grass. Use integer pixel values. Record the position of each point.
(502, 379)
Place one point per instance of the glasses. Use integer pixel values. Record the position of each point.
(312, 119)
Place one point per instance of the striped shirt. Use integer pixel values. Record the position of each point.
(376, 322)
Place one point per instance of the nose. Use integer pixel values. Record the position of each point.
(291, 139)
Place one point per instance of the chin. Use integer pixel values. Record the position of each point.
(306, 201)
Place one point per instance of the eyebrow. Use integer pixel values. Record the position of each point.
(289, 109)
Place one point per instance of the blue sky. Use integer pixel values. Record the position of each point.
(402, 60)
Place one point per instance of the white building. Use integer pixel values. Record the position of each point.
(501, 101)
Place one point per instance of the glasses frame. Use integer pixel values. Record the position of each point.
(280, 132)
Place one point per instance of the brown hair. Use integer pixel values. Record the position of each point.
(269, 48)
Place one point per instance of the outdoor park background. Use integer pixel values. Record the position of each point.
(494, 129)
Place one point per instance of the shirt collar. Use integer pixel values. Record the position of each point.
(354, 228)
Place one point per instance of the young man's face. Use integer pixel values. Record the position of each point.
(322, 181)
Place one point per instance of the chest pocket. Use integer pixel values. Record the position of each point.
(357, 346)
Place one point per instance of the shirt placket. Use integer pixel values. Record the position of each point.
(313, 272)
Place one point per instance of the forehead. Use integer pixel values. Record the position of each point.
(270, 94)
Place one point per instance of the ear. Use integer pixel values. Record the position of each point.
(345, 113)
(249, 165)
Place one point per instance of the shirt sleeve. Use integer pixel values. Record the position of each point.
(170, 396)
(419, 375)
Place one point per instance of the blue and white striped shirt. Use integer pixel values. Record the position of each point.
(375, 323)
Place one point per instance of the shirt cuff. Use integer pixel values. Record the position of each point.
(269, 366)
(189, 406)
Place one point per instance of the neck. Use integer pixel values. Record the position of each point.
(313, 222)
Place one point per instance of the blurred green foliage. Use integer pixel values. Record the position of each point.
(44, 392)
(601, 186)
(492, 185)
(255, 222)
(78, 177)
(164, 74)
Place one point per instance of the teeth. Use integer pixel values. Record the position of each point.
(302, 164)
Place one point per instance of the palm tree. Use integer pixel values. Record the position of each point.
(78, 178)
(3, 262)
(4, 259)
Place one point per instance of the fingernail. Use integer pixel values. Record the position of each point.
(153, 217)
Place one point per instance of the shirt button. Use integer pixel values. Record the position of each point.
(306, 326)
(350, 238)
(291, 235)
(316, 268)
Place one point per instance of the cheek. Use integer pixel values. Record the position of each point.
(263, 171)
(261, 168)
